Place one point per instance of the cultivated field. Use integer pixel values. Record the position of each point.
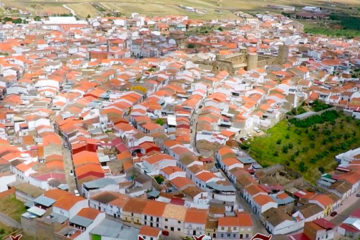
(209, 9)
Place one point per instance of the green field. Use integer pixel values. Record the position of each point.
(307, 146)
(12, 207)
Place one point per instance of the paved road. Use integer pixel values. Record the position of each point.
(349, 206)
(8, 221)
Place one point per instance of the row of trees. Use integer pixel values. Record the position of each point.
(329, 116)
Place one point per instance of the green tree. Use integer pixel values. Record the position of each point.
(302, 167)
(191, 45)
(159, 179)
(160, 121)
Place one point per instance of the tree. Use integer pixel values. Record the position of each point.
(321, 169)
(191, 45)
(37, 18)
(159, 179)
(278, 141)
(285, 149)
(160, 121)
(302, 167)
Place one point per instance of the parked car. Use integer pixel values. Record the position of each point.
(76, 192)
(333, 214)
(358, 195)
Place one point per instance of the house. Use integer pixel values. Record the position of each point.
(69, 205)
(173, 220)
(238, 227)
(85, 220)
(350, 227)
(171, 172)
(111, 203)
(133, 210)
(113, 230)
(195, 222)
(152, 213)
(277, 221)
(153, 163)
(314, 230)
(263, 203)
(324, 201)
(149, 233)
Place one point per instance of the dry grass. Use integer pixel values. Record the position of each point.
(213, 8)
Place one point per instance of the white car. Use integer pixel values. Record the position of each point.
(76, 192)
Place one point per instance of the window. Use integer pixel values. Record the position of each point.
(172, 229)
(241, 236)
(166, 219)
(145, 217)
(179, 222)
(166, 227)
(178, 229)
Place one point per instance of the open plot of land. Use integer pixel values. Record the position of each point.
(12, 207)
(210, 8)
(308, 148)
(5, 230)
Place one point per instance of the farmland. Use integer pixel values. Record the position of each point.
(307, 146)
(209, 9)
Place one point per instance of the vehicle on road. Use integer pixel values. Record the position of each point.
(76, 192)
(358, 195)
(333, 214)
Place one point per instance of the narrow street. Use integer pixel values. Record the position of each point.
(193, 129)
(258, 226)
(69, 169)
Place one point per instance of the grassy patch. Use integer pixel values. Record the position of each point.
(332, 32)
(308, 149)
(12, 207)
(5, 230)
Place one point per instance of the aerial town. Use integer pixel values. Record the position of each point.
(139, 127)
